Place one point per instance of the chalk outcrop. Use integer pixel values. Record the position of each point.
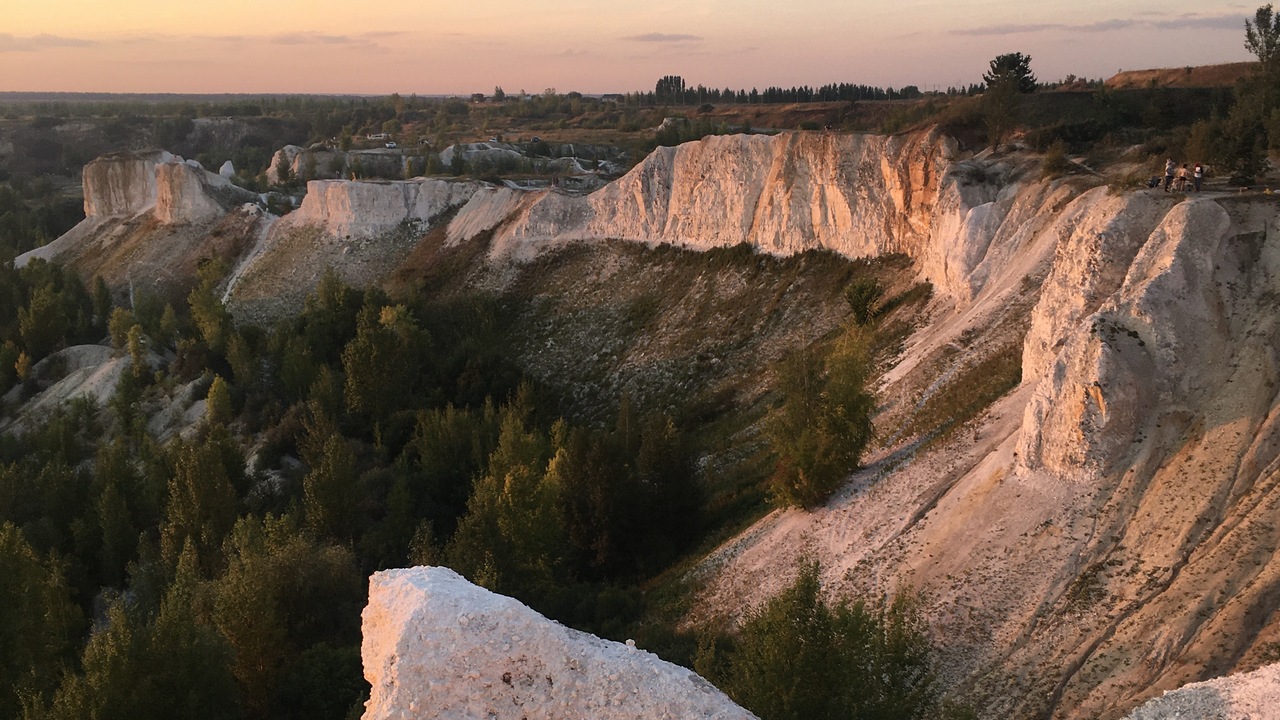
(437, 646)
(855, 195)
(367, 209)
(149, 219)
(1248, 696)
(1112, 517)
(122, 184)
(962, 220)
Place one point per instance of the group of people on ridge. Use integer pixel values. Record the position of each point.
(1176, 177)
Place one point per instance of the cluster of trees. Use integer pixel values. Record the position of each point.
(672, 90)
(209, 589)
(798, 658)
(32, 214)
(1240, 143)
(43, 308)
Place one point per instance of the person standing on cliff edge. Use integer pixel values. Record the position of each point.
(1169, 168)
(1197, 175)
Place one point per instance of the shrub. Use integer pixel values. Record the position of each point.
(1055, 162)
(863, 296)
(797, 657)
(824, 421)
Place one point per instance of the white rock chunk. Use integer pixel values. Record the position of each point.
(1248, 696)
(437, 646)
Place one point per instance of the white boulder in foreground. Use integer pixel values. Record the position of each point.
(1248, 696)
(437, 646)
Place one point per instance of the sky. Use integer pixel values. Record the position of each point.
(591, 46)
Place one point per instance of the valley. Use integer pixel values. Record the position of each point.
(572, 394)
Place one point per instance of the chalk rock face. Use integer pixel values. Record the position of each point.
(1248, 696)
(358, 209)
(227, 170)
(121, 184)
(186, 194)
(1162, 352)
(437, 646)
(854, 194)
(1100, 234)
(496, 153)
(177, 191)
(290, 155)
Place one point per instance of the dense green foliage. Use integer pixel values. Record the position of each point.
(232, 593)
(798, 658)
(42, 308)
(824, 421)
(1010, 71)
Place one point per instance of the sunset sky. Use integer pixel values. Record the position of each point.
(592, 46)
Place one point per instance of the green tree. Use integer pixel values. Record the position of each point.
(283, 593)
(511, 540)
(101, 302)
(118, 327)
(449, 448)
(329, 487)
(37, 621)
(136, 344)
(1011, 71)
(797, 658)
(1262, 38)
(863, 296)
(284, 172)
(43, 322)
(141, 668)
(207, 311)
(202, 504)
(1240, 143)
(380, 363)
(218, 403)
(824, 421)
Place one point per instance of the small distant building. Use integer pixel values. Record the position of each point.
(379, 136)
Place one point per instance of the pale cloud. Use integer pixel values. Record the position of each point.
(313, 38)
(664, 37)
(1181, 22)
(35, 43)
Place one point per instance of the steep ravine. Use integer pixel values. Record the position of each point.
(1103, 531)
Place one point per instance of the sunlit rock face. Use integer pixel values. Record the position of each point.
(437, 646)
(121, 184)
(366, 209)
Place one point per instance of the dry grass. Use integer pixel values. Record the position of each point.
(1203, 76)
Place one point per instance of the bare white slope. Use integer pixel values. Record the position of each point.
(437, 646)
(1107, 530)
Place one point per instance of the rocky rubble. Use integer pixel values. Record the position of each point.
(1250, 696)
(437, 646)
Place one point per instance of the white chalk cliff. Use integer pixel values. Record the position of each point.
(1102, 533)
(149, 217)
(437, 646)
(856, 195)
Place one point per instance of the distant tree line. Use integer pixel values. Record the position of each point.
(672, 90)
